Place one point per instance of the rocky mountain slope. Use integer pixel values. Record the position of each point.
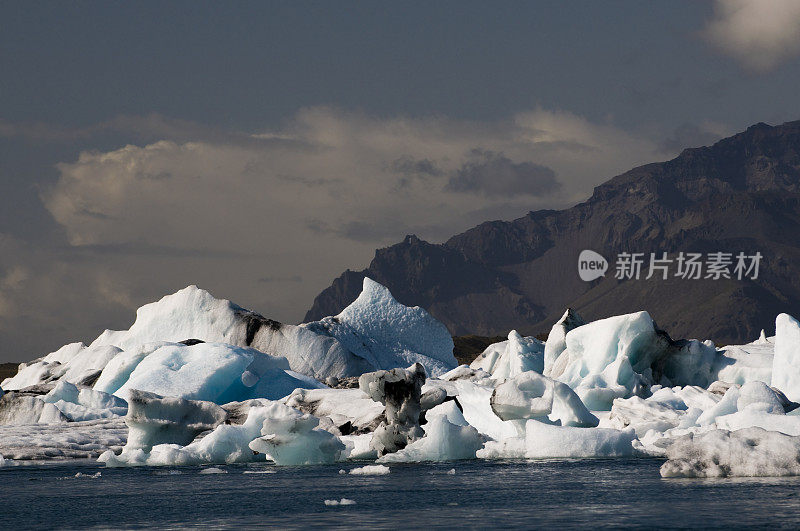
(740, 195)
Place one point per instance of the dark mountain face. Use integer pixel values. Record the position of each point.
(740, 195)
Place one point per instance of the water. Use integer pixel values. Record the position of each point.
(586, 493)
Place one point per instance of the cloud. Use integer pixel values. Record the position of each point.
(759, 34)
(690, 135)
(269, 219)
(495, 175)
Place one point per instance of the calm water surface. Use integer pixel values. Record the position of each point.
(587, 493)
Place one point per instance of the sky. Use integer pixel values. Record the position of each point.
(259, 149)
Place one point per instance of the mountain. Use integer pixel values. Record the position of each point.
(740, 195)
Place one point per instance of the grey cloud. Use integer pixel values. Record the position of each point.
(689, 136)
(495, 175)
(410, 166)
(760, 35)
(376, 231)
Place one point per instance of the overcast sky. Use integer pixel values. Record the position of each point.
(259, 149)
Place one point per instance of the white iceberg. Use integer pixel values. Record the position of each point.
(512, 357)
(84, 403)
(531, 395)
(443, 441)
(722, 453)
(213, 372)
(786, 363)
(370, 470)
(387, 334)
(556, 342)
(547, 441)
(291, 438)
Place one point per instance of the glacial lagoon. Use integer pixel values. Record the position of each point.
(587, 493)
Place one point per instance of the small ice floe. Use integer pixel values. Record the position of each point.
(259, 472)
(451, 472)
(82, 475)
(213, 470)
(370, 470)
(343, 501)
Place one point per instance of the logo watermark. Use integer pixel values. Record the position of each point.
(688, 266)
(591, 265)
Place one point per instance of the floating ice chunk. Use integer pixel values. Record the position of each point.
(531, 395)
(511, 357)
(349, 409)
(193, 313)
(188, 313)
(85, 403)
(786, 364)
(200, 372)
(788, 424)
(371, 470)
(119, 368)
(74, 363)
(556, 342)
(477, 410)
(17, 409)
(91, 476)
(68, 440)
(387, 334)
(721, 453)
(226, 443)
(544, 441)
(740, 364)
(443, 441)
(612, 358)
(448, 410)
(343, 501)
(154, 420)
(358, 446)
(291, 438)
(400, 391)
(213, 470)
(644, 415)
(752, 396)
(2, 460)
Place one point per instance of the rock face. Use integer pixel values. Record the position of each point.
(741, 194)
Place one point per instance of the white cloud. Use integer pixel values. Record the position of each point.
(760, 34)
(313, 198)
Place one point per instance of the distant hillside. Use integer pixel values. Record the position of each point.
(741, 194)
(7, 370)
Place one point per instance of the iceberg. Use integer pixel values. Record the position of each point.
(84, 403)
(155, 420)
(74, 363)
(386, 334)
(722, 453)
(541, 441)
(556, 342)
(370, 470)
(512, 357)
(291, 438)
(443, 441)
(213, 372)
(623, 356)
(400, 391)
(531, 395)
(66, 440)
(786, 363)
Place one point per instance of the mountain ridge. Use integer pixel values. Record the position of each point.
(742, 194)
